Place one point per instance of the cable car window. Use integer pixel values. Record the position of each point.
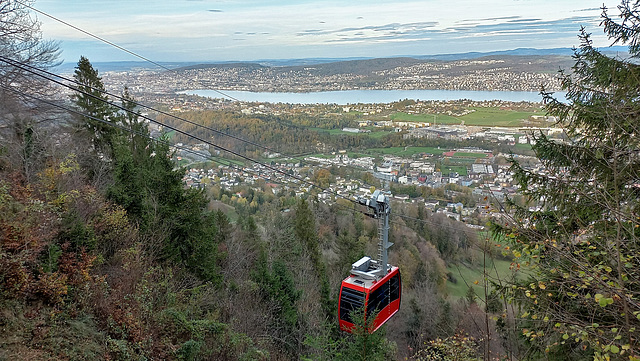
(378, 299)
(394, 285)
(350, 300)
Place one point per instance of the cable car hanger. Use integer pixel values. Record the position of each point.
(379, 203)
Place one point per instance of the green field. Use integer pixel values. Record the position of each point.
(496, 117)
(481, 117)
(446, 169)
(524, 146)
(321, 155)
(228, 210)
(469, 155)
(378, 134)
(226, 161)
(429, 118)
(373, 134)
(460, 161)
(408, 151)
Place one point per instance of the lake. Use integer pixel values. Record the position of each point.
(344, 97)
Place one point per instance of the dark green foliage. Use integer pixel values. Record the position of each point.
(77, 233)
(278, 289)
(359, 345)
(349, 249)
(582, 243)
(90, 99)
(151, 190)
(145, 180)
(223, 226)
(250, 230)
(193, 239)
(306, 233)
(364, 345)
(50, 258)
(189, 350)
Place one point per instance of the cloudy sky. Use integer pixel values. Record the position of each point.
(226, 30)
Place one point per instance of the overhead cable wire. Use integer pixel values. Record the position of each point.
(112, 124)
(110, 43)
(152, 62)
(299, 179)
(163, 67)
(161, 141)
(119, 97)
(158, 140)
(38, 72)
(120, 107)
(179, 118)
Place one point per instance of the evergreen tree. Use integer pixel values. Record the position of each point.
(148, 185)
(279, 291)
(145, 181)
(582, 246)
(307, 234)
(363, 344)
(91, 100)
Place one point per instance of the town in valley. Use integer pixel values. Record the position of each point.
(468, 171)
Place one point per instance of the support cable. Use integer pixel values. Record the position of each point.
(110, 43)
(38, 72)
(124, 128)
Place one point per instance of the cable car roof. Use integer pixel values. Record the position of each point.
(360, 281)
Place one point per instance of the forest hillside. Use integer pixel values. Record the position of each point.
(105, 253)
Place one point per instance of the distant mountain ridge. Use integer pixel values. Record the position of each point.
(351, 62)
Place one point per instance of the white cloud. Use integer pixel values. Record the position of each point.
(249, 29)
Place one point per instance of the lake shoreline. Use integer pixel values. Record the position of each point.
(346, 97)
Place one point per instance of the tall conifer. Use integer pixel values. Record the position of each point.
(91, 100)
(579, 239)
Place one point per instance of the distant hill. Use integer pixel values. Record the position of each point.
(125, 66)
(223, 66)
(368, 67)
(347, 65)
(361, 67)
(516, 52)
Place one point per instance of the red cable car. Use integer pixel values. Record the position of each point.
(364, 290)
(373, 286)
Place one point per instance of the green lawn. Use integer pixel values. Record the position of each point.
(446, 169)
(496, 117)
(467, 274)
(225, 161)
(375, 134)
(523, 146)
(357, 155)
(481, 116)
(469, 155)
(321, 155)
(228, 210)
(460, 161)
(409, 151)
(439, 118)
